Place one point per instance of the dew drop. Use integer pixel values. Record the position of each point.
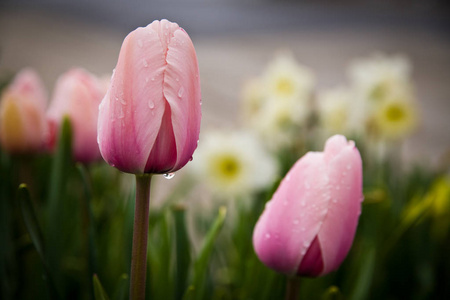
(338, 187)
(303, 229)
(151, 104)
(146, 79)
(288, 177)
(303, 252)
(349, 167)
(177, 79)
(295, 221)
(121, 113)
(334, 200)
(267, 235)
(180, 92)
(191, 159)
(306, 244)
(122, 100)
(169, 175)
(140, 44)
(145, 63)
(153, 79)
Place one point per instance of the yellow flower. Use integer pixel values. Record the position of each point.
(395, 118)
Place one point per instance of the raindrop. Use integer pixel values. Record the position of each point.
(145, 63)
(151, 104)
(122, 100)
(153, 79)
(169, 175)
(334, 200)
(177, 79)
(349, 167)
(140, 44)
(303, 252)
(146, 79)
(121, 114)
(303, 229)
(180, 92)
(288, 177)
(191, 159)
(338, 187)
(267, 235)
(306, 244)
(295, 221)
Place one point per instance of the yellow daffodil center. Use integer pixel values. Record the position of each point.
(228, 167)
(395, 113)
(284, 87)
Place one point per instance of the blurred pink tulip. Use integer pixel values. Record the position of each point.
(22, 114)
(77, 94)
(308, 227)
(149, 120)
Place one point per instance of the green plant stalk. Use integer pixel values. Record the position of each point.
(292, 288)
(140, 235)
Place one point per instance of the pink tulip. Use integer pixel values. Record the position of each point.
(22, 114)
(308, 227)
(77, 94)
(149, 120)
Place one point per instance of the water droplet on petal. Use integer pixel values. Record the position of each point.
(122, 100)
(191, 159)
(180, 92)
(334, 200)
(285, 203)
(145, 63)
(267, 235)
(153, 79)
(169, 175)
(349, 167)
(140, 44)
(306, 243)
(151, 104)
(177, 79)
(303, 203)
(295, 221)
(303, 229)
(146, 79)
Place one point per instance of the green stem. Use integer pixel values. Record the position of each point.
(292, 288)
(140, 234)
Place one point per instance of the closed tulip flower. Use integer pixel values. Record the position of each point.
(149, 120)
(308, 227)
(22, 114)
(77, 94)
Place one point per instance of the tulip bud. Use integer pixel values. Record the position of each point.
(149, 120)
(308, 227)
(22, 114)
(77, 94)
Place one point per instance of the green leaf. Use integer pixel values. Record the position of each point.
(201, 264)
(182, 250)
(121, 292)
(99, 291)
(364, 279)
(34, 230)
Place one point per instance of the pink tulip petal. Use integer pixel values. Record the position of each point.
(182, 91)
(292, 219)
(135, 103)
(312, 262)
(338, 229)
(28, 83)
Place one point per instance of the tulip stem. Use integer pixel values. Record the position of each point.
(140, 234)
(292, 288)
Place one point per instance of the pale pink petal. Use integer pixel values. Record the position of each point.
(292, 219)
(131, 118)
(182, 91)
(338, 229)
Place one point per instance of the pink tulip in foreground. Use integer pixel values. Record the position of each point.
(308, 227)
(149, 120)
(22, 114)
(77, 94)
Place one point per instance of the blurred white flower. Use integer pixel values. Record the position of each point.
(339, 111)
(395, 117)
(233, 163)
(378, 75)
(278, 103)
(385, 92)
(284, 79)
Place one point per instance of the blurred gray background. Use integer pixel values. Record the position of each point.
(235, 39)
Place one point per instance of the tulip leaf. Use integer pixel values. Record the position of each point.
(182, 249)
(88, 219)
(364, 279)
(201, 264)
(34, 230)
(99, 291)
(121, 291)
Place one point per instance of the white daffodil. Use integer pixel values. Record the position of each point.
(395, 117)
(377, 76)
(284, 79)
(233, 163)
(339, 111)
